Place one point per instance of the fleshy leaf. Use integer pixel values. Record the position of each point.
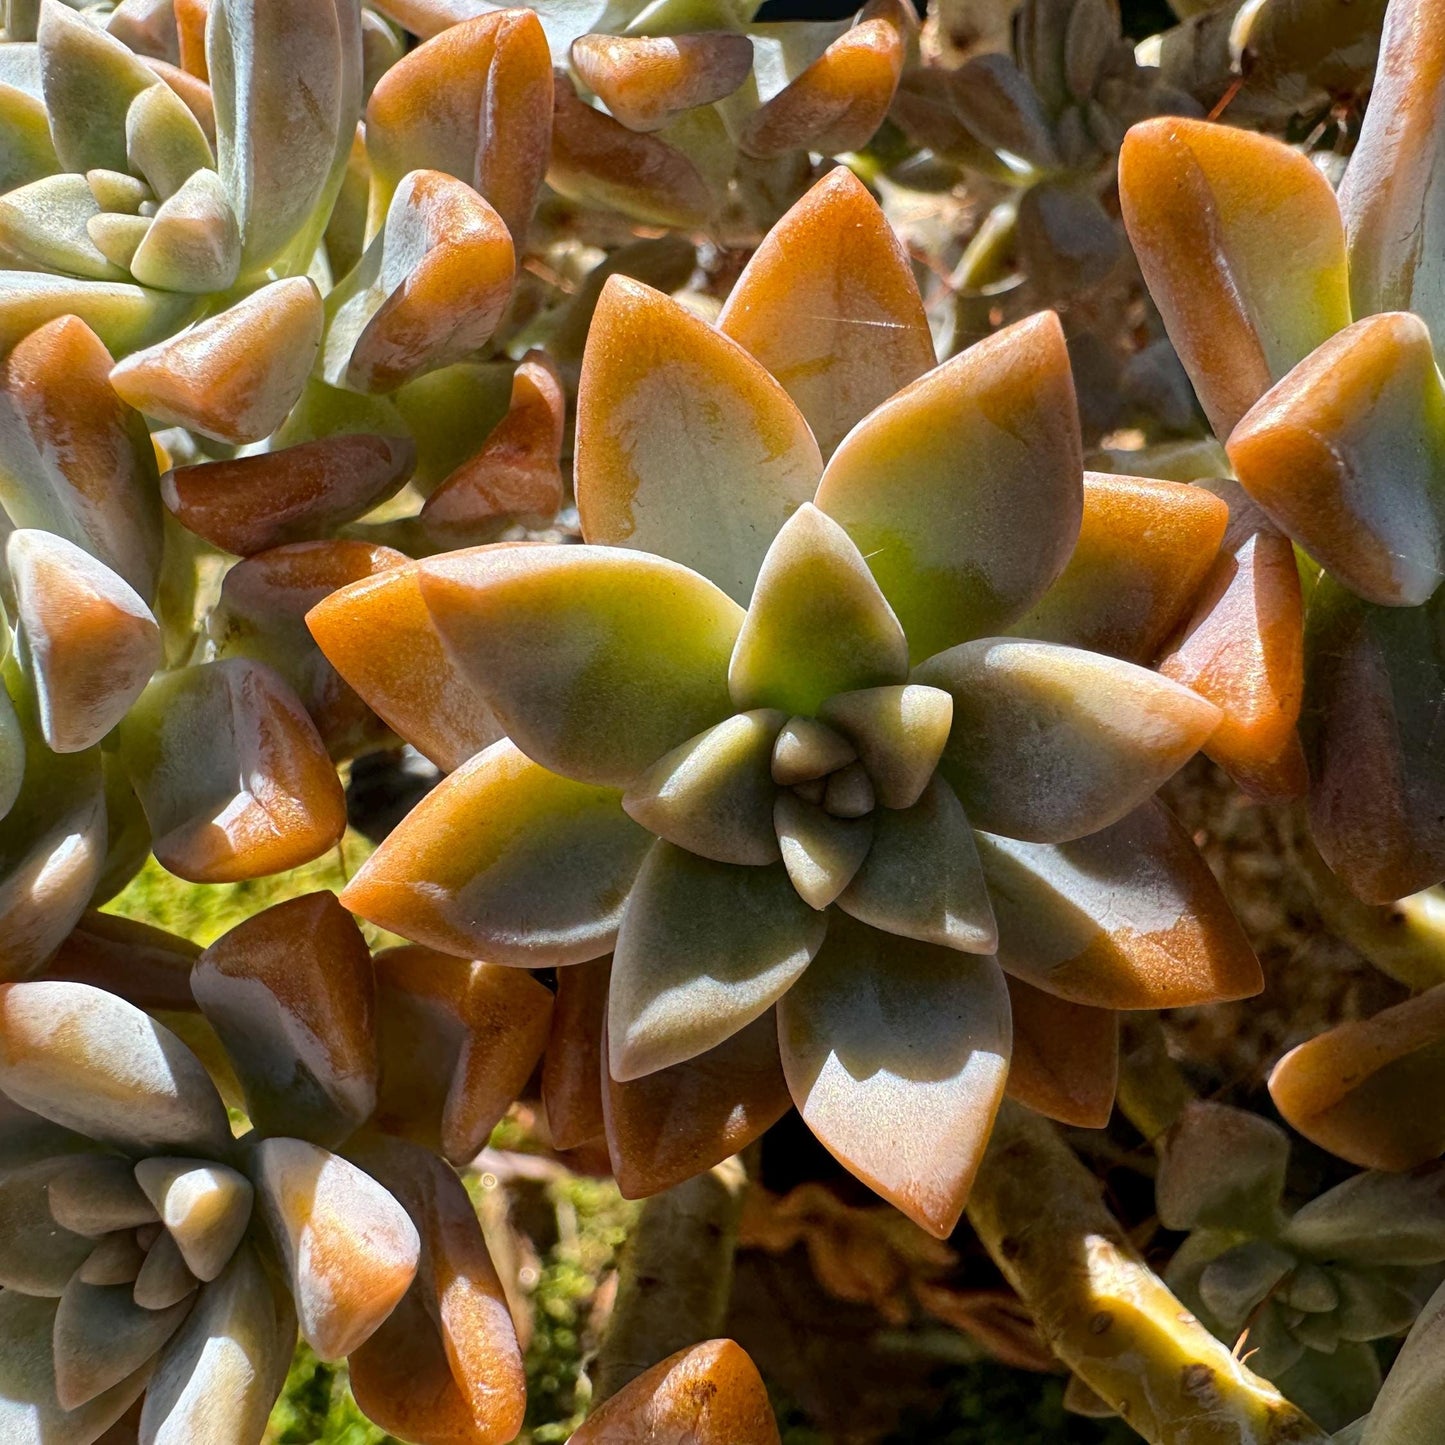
(164, 1279)
(964, 490)
(713, 795)
(822, 853)
(248, 504)
(1347, 455)
(1390, 197)
(1376, 1219)
(28, 153)
(685, 445)
(1065, 1060)
(205, 1207)
(829, 305)
(445, 1364)
(598, 161)
(235, 375)
(350, 1249)
(230, 1356)
(515, 476)
(1050, 743)
(704, 948)
(667, 1127)
(1407, 1409)
(1377, 760)
(45, 225)
(428, 292)
(807, 749)
(573, 1070)
(838, 102)
(95, 1064)
(38, 1254)
(97, 1193)
(378, 634)
(165, 144)
(287, 88)
(1358, 1089)
(89, 79)
(1243, 648)
(1222, 1168)
(290, 992)
(29, 1410)
(85, 637)
(102, 1336)
(74, 459)
(899, 732)
(1143, 551)
(458, 1043)
(475, 102)
(922, 878)
(262, 797)
(896, 1054)
(192, 244)
(123, 317)
(506, 861)
(709, 1394)
(596, 661)
(1241, 242)
(647, 81)
(817, 624)
(1127, 918)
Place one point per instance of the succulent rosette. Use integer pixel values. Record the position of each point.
(765, 742)
(1308, 326)
(155, 1256)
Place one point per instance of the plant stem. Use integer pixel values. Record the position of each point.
(1103, 1311)
(676, 1275)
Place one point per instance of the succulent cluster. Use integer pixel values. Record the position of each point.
(527, 386)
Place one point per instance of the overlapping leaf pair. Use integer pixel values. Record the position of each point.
(1305, 1292)
(777, 805)
(1333, 427)
(145, 1251)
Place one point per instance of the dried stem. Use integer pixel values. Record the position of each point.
(1104, 1312)
(676, 1275)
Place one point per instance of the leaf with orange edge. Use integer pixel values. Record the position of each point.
(839, 101)
(379, 636)
(598, 161)
(515, 476)
(235, 375)
(1065, 1062)
(1242, 647)
(1391, 197)
(474, 101)
(459, 1042)
(291, 995)
(85, 637)
(648, 80)
(429, 290)
(75, 460)
(294, 494)
(896, 1053)
(1127, 918)
(709, 1394)
(506, 861)
(596, 660)
(1347, 453)
(686, 446)
(1241, 242)
(262, 796)
(964, 491)
(261, 614)
(829, 305)
(1374, 680)
(573, 1068)
(1369, 1090)
(1144, 548)
(190, 17)
(669, 1126)
(445, 1365)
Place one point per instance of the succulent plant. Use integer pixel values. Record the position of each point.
(1306, 1291)
(1331, 427)
(146, 1250)
(778, 805)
